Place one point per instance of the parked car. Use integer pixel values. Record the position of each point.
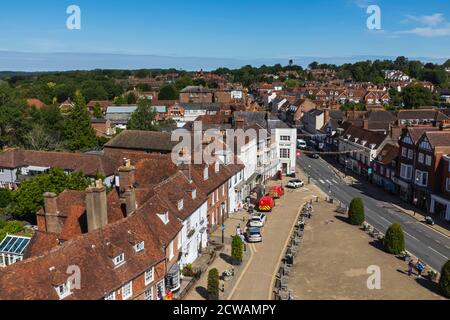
(253, 234)
(429, 220)
(258, 220)
(295, 184)
(301, 144)
(314, 155)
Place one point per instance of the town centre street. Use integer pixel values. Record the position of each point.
(256, 282)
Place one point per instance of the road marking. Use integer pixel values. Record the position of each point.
(438, 253)
(328, 181)
(385, 220)
(335, 181)
(321, 181)
(411, 236)
(254, 248)
(438, 241)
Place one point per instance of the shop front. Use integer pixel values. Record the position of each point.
(440, 207)
(404, 189)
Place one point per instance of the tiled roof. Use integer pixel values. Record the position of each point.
(143, 140)
(439, 138)
(370, 137)
(89, 164)
(35, 278)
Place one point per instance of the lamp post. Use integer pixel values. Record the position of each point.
(223, 224)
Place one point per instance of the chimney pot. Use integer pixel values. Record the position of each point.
(54, 221)
(96, 206)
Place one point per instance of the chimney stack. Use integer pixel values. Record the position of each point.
(366, 124)
(96, 206)
(54, 220)
(240, 123)
(127, 180)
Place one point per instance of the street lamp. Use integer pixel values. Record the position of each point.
(223, 224)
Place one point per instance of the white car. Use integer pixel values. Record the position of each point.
(295, 184)
(301, 144)
(258, 220)
(253, 234)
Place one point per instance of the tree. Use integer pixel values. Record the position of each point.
(444, 281)
(291, 83)
(168, 92)
(313, 65)
(5, 197)
(417, 96)
(447, 63)
(78, 133)
(144, 118)
(40, 140)
(97, 111)
(394, 241)
(237, 249)
(183, 82)
(213, 284)
(356, 212)
(29, 198)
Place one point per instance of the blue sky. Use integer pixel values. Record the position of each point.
(243, 29)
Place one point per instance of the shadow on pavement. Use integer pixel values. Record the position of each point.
(203, 292)
(226, 257)
(430, 285)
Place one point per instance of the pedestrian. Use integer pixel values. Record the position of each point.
(410, 267)
(238, 230)
(420, 267)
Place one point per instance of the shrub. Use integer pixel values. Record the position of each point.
(356, 212)
(444, 281)
(187, 270)
(237, 249)
(213, 284)
(394, 241)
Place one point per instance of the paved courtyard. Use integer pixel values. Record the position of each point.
(333, 262)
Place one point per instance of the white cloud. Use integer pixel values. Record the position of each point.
(428, 32)
(433, 25)
(432, 20)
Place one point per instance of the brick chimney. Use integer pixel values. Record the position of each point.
(395, 132)
(96, 206)
(240, 123)
(51, 221)
(127, 179)
(366, 124)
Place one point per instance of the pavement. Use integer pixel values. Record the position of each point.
(256, 277)
(334, 259)
(222, 261)
(428, 244)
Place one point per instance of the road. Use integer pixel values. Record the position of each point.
(422, 241)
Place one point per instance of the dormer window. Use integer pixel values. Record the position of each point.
(217, 168)
(180, 204)
(164, 217)
(119, 260)
(63, 290)
(205, 174)
(139, 246)
(194, 194)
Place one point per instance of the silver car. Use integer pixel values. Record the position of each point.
(253, 234)
(258, 220)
